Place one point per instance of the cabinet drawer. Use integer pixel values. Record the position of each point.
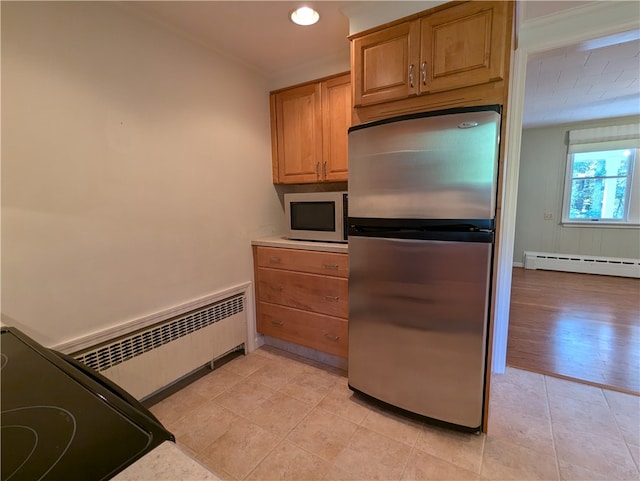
(326, 295)
(325, 263)
(323, 333)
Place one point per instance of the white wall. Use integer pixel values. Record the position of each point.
(136, 169)
(365, 15)
(540, 189)
(312, 70)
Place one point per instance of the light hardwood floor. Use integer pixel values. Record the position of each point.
(576, 326)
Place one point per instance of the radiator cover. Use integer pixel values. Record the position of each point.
(612, 266)
(148, 360)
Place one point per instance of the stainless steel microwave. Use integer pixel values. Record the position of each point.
(317, 216)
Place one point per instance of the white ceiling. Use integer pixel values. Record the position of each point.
(257, 34)
(565, 85)
(582, 82)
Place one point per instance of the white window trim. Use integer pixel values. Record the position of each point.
(599, 139)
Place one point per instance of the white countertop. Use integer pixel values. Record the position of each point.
(167, 462)
(281, 241)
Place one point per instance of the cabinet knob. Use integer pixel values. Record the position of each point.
(424, 73)
(275, 288)
(274, 260)
(332, 298)
(411, 75)
(277, 323)
(331, 337)
(332, 267)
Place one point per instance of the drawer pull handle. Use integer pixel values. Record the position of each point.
(274, 260)
(277, 323)
(333, 267)
(275, 288)
(332, 298)
(331, 337)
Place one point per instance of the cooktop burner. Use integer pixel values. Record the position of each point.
(57, 423)
(39, 436)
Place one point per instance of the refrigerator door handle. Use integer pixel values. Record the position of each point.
(468, 235)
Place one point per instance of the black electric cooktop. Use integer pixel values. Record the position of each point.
(62, 421)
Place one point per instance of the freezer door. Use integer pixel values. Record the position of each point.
(435, 167)
(418, 315)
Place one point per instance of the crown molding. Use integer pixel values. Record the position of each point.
(578, 24)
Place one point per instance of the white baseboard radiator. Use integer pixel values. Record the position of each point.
(610, 266)
(152, 358)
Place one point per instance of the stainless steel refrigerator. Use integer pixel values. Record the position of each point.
(422, 206)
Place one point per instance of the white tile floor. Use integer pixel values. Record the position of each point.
(275, 416)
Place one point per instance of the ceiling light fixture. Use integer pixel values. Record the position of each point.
(304, 16)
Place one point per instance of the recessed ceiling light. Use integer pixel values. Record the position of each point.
(304, 16)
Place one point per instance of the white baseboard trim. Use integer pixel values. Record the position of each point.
(610, 266)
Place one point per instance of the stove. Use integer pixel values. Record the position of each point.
(62, 420)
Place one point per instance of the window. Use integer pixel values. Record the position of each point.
(602, 184)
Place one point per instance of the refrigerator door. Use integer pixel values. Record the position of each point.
(418, 324)
(435, 165)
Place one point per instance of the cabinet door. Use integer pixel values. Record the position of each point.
(336, 120)
(385, 64)
(298, 135)
(463, 46)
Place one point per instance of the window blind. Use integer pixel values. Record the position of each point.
(604, 138)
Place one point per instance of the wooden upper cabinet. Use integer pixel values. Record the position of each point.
(309, 125)
(382, 64)
(449, 47)
(463, 46)
(298, 134)
(336, 120)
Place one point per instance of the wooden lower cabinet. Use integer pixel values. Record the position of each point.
(302, 297)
